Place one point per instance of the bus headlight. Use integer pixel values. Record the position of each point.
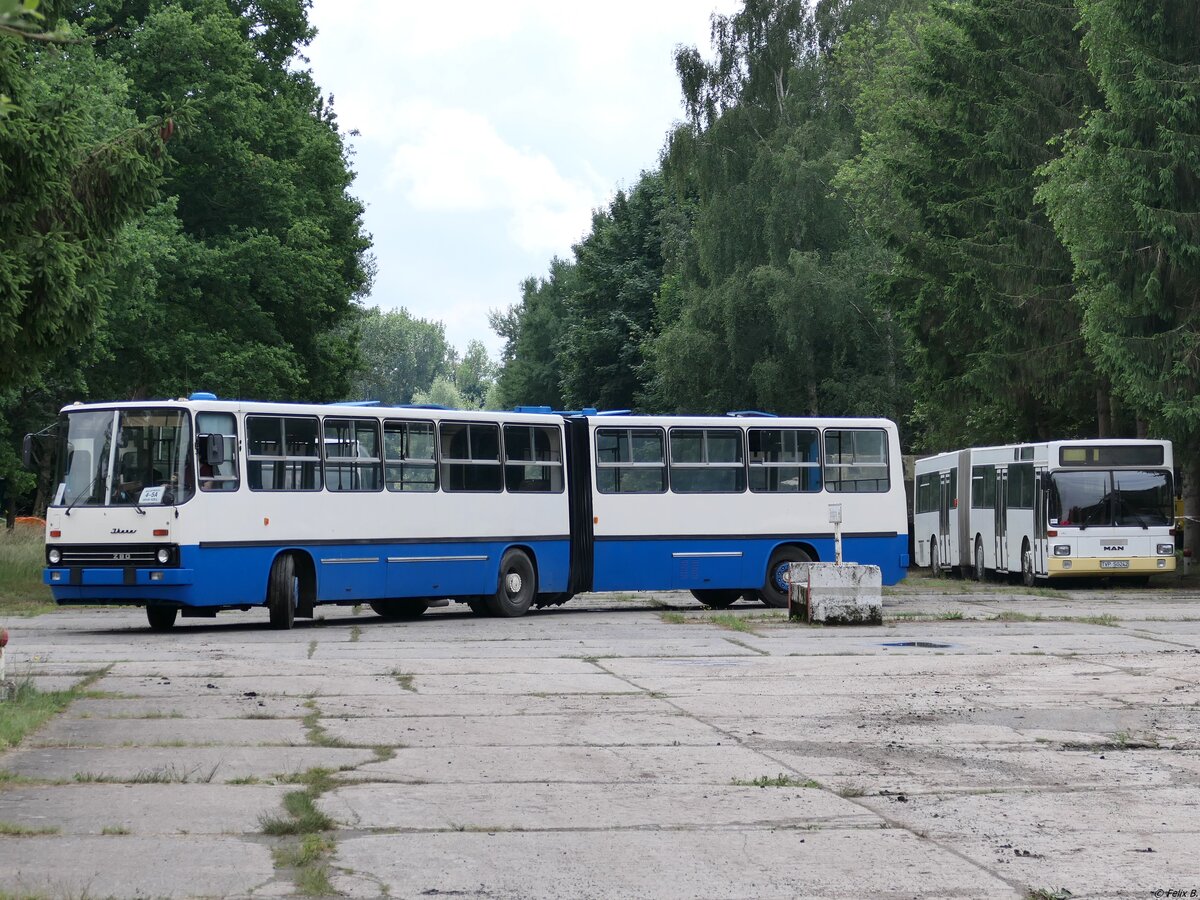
(54, 555)
(163, 556)
(1062, 549)
(1166, 549)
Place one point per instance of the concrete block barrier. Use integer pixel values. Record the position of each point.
(836, 593)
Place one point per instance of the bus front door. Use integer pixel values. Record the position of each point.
(1039, 521)
(1001, 520)
(946, 501)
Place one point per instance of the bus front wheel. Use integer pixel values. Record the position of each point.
(161, 618)
(281, 592)
(774, 591)
(517, 586)
(1028, 578)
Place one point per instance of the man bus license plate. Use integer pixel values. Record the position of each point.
(1114, 564)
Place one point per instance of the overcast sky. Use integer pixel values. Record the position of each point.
(490, 129)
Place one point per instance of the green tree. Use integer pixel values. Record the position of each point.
(958, 107)
(1125, 198)
(610, 307)
(765, 303)
(475, 374)
(533, 331)
(401, 356)
(245, 282)
(75, 166)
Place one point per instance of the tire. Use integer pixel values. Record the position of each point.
(934, 567)
(393, 610)
(161, 618)
(774, 591)
(1027, 577)
(281, 592)
(717, 598)
(980, 572)
(515, 588)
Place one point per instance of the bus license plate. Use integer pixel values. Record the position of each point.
(1114, 564)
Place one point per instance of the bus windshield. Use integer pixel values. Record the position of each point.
(150, 464)
(1108, 498)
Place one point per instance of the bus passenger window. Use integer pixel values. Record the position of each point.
(283, 453)
(856, 460)
(409, 455)
(532, 459)
(351, 455)
(630, 461)
(707, 461)
(784, 460)
(223, 476)
(470, 457)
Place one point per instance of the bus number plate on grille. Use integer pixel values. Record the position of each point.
(1114, 564)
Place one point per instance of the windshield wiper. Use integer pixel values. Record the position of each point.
(84, 493)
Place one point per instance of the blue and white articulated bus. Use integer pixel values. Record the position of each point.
(1057, 509)
(198, 505)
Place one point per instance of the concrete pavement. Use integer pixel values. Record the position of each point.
(984, 742)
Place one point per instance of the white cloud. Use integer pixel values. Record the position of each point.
(453, 160)
(490, 130)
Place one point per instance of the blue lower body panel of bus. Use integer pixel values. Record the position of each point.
(682, 563)
(236, 575)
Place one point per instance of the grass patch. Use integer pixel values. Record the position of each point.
(312, 648)
(355, 634)
(780, 780)
(673, 618)
(165, 775)
(851, 790)
(316, 731)
(21, 590)
(30, 708)
(405, 680)
(1012, 616)
(730, 621)
(1107, 621)
(115, 830)
(11, 829)
(308, 858)
(302, 817)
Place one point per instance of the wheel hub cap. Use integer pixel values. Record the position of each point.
(512, 582)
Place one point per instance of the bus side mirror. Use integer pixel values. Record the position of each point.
(27, 460)
(211, 448)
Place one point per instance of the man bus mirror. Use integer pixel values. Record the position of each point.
(211, 448)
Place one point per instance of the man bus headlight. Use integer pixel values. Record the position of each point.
(1062, 549)
(54, 556)
(1166, 549)
(163, 556)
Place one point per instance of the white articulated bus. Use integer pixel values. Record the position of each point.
(1048, 510)
(199, 505)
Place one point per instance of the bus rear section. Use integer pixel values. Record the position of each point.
(1053, 510)
(722, 506)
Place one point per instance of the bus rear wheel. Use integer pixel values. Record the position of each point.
(399, 609)
(774, 591)
(161, 618)
(980, 569)
(717, 598)
(281, 592)
(516, 588)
